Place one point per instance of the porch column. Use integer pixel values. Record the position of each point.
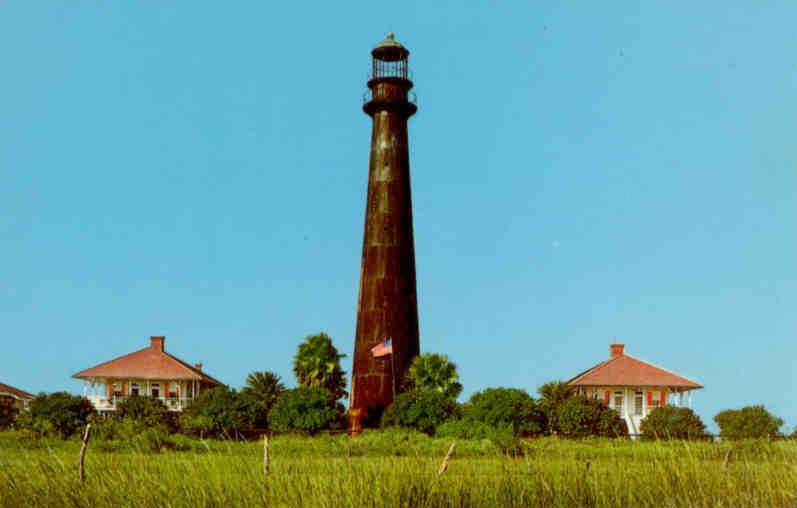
(645, 407)
(625, 401)
(690, 399)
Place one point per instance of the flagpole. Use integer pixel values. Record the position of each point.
(392, 368)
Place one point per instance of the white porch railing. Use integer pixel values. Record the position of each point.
(105, 403)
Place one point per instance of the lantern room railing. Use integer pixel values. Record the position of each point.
(389, 69)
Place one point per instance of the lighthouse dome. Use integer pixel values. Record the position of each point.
(390, 50)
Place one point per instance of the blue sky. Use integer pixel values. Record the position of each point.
(581, 174)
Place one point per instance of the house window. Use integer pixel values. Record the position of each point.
(156, 390)
(172, 390)
(655, 400)
(618, 402)
(638, 401)
(117, 389)
(134, 389)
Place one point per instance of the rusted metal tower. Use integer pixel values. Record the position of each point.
(387, 306)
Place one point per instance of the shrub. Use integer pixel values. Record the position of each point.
(149, 411)
(670, 422)
(317, 365)
(8, 413)
(581, 417)
(432, 371)
(503, 436)
(552, 395)
(511, 407)
(748, 422)
(113, 429)
(261, 393)
(461, 428)
(59, 413)
(423, 410)
(151, 439)
(218, 412)
(123, 429)
(305, 410)
(114, 434)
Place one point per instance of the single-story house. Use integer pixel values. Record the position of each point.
(148, 372)
(633, 387)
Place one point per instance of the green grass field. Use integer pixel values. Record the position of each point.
(397, 469)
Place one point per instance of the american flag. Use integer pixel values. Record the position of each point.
(383, 348)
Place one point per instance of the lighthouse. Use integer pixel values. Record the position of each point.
(387, 307)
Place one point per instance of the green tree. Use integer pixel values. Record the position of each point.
(305, 409)
(261, 392)
(218, 412)
(149, 411)
(423, 410)
(748, 422)
(582, 417)
(432, 371)
(671, 422)
(552, 395)
(59, 412)
(317, 365)
(511, 407)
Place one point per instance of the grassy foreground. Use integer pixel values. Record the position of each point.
(397, 469)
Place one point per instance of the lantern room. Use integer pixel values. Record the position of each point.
(389, 59)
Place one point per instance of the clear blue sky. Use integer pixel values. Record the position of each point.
(581, 174)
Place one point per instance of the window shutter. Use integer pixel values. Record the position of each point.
(110, 389)
(663, 397)
(606, 395)
(650, 398)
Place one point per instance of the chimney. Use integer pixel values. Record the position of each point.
(158, 342)
(616, 350)
(198, 366)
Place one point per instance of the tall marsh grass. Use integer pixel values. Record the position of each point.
(399, 469)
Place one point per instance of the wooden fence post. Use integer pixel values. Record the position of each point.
(726, 459)
(265, 454)
(82, 460)
(447, 459)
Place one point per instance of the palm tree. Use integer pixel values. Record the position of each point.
(317, 365)
(432, 371)
(264, 385)
(262, 389)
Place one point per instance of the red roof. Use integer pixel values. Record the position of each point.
(152, 362)
(624, 370)
(14, 392)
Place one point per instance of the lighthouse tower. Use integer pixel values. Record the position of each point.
(387, 308)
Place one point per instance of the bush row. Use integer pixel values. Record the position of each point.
(426, 402)
(499, 414)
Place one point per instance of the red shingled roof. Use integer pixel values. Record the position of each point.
(149, 363)
(624, 370)
(14, 392)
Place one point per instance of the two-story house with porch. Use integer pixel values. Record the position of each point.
(633, 387)
(148, 372)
